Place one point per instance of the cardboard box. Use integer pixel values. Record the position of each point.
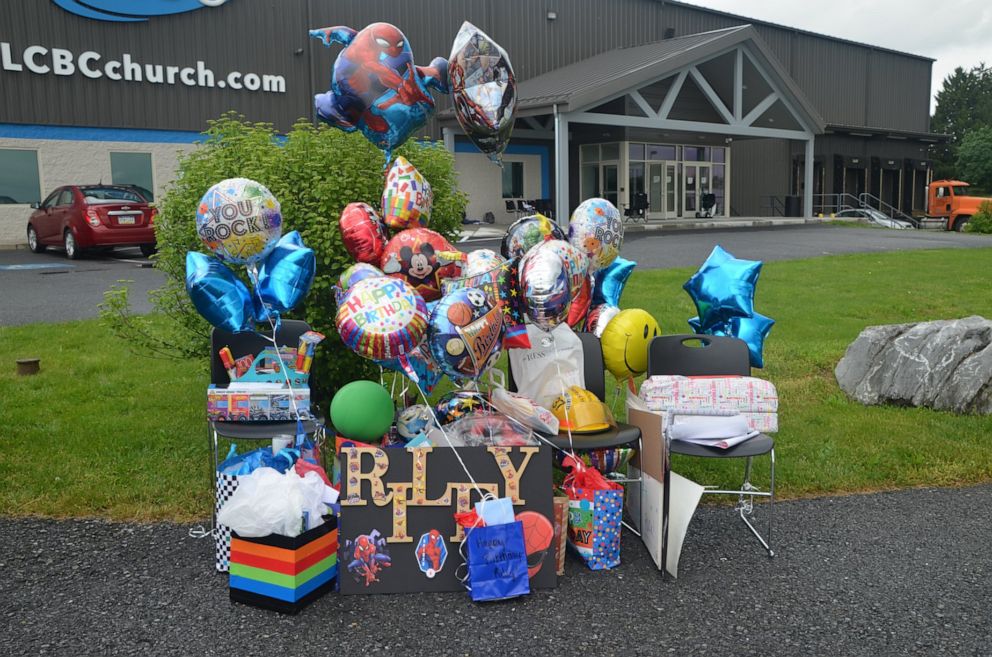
(284, 574)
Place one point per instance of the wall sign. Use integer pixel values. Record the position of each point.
(129, 11)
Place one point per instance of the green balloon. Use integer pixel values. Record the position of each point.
(362, 410)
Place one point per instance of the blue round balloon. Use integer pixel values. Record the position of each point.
(286, 274)
(217, 294)
(465, 333)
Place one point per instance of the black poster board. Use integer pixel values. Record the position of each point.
(398, 505)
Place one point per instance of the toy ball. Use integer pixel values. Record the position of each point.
(596, 229)
(625, 342)
(423, 259)
(362, 232)
(362, 410)
(407, 197)
(375, 86)
(413, 421)
(457, 404)
(381, 318)
(524, 233)
(538, 534)
(239, 221)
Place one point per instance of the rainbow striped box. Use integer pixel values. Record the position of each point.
(285, 574)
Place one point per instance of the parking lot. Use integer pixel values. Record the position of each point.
(47, 287)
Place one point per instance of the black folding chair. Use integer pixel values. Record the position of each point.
(622, 435)
(637, 210)
(511, 208)
(525, 207)
(716, 356)
(243, 344)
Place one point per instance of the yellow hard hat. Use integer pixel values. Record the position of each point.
(581, 411)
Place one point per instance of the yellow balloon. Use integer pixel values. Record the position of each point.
(625, 342)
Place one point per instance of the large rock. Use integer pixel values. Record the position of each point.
(946, 365)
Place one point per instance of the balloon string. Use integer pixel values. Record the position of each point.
(253, 275)
(458, 456)
(566, 399)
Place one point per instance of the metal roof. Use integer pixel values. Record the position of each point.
(590, 82)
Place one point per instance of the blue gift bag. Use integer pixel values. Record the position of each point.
(497, 562)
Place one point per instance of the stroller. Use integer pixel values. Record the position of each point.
(707, 206)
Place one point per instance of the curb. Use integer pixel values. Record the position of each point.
(17, 246)
(721, 223)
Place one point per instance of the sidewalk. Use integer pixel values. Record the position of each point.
(903, 573)
(494, 231)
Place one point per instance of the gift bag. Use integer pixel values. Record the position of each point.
(595, 510)
(497, 562)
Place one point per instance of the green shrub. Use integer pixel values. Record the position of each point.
(981, 222)
(314, 172)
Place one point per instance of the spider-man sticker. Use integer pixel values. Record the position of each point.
(431, 553)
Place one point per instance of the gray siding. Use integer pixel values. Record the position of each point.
(758, 168)
(849, 83)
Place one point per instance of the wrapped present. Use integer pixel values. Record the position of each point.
(755, 399)
(284, 574)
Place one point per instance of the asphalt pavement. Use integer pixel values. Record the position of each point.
(48, 288)
(903, 573)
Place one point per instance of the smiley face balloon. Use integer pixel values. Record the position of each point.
(625, 342)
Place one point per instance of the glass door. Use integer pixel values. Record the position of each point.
(697, 181)
(610, 177)
(661, 190)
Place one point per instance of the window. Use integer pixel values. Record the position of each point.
(52, 198)
(636, 151)
(589, 153)
(941, 192)
(20, 181)
(513, 179)
(133, 169)
(661, 152)
(65, 198)
(610, 152)
(695, 153)
(960, 190)
(95, 195)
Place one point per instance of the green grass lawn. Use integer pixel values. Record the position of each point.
(102, 431)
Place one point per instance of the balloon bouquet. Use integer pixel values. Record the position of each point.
(412, 302)
(240, 222)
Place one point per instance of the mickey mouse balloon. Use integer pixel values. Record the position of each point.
(375, 86)
(423, 259)
(465, 333)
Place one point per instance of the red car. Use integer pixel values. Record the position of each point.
(80, 217)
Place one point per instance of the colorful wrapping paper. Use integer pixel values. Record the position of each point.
(756, 399)
(595, 512)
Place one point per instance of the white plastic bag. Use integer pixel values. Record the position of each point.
(553, 364)
(525, 411)
(269, 502)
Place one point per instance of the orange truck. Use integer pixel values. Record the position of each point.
(949, 199)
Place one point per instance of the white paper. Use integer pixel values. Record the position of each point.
(685, 498)
(722, 443)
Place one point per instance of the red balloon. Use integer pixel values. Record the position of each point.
(580, 305)
(363, 233)
(423, 259)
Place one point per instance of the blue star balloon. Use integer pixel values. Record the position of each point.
(286, 274)
(752, 330)
(611, 280)
(218, 294)
(723, 287)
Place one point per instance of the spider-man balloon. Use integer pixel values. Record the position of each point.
(376, 87)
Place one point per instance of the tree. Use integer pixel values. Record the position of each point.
(964, 102)
(314, 172)
(974, 161)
